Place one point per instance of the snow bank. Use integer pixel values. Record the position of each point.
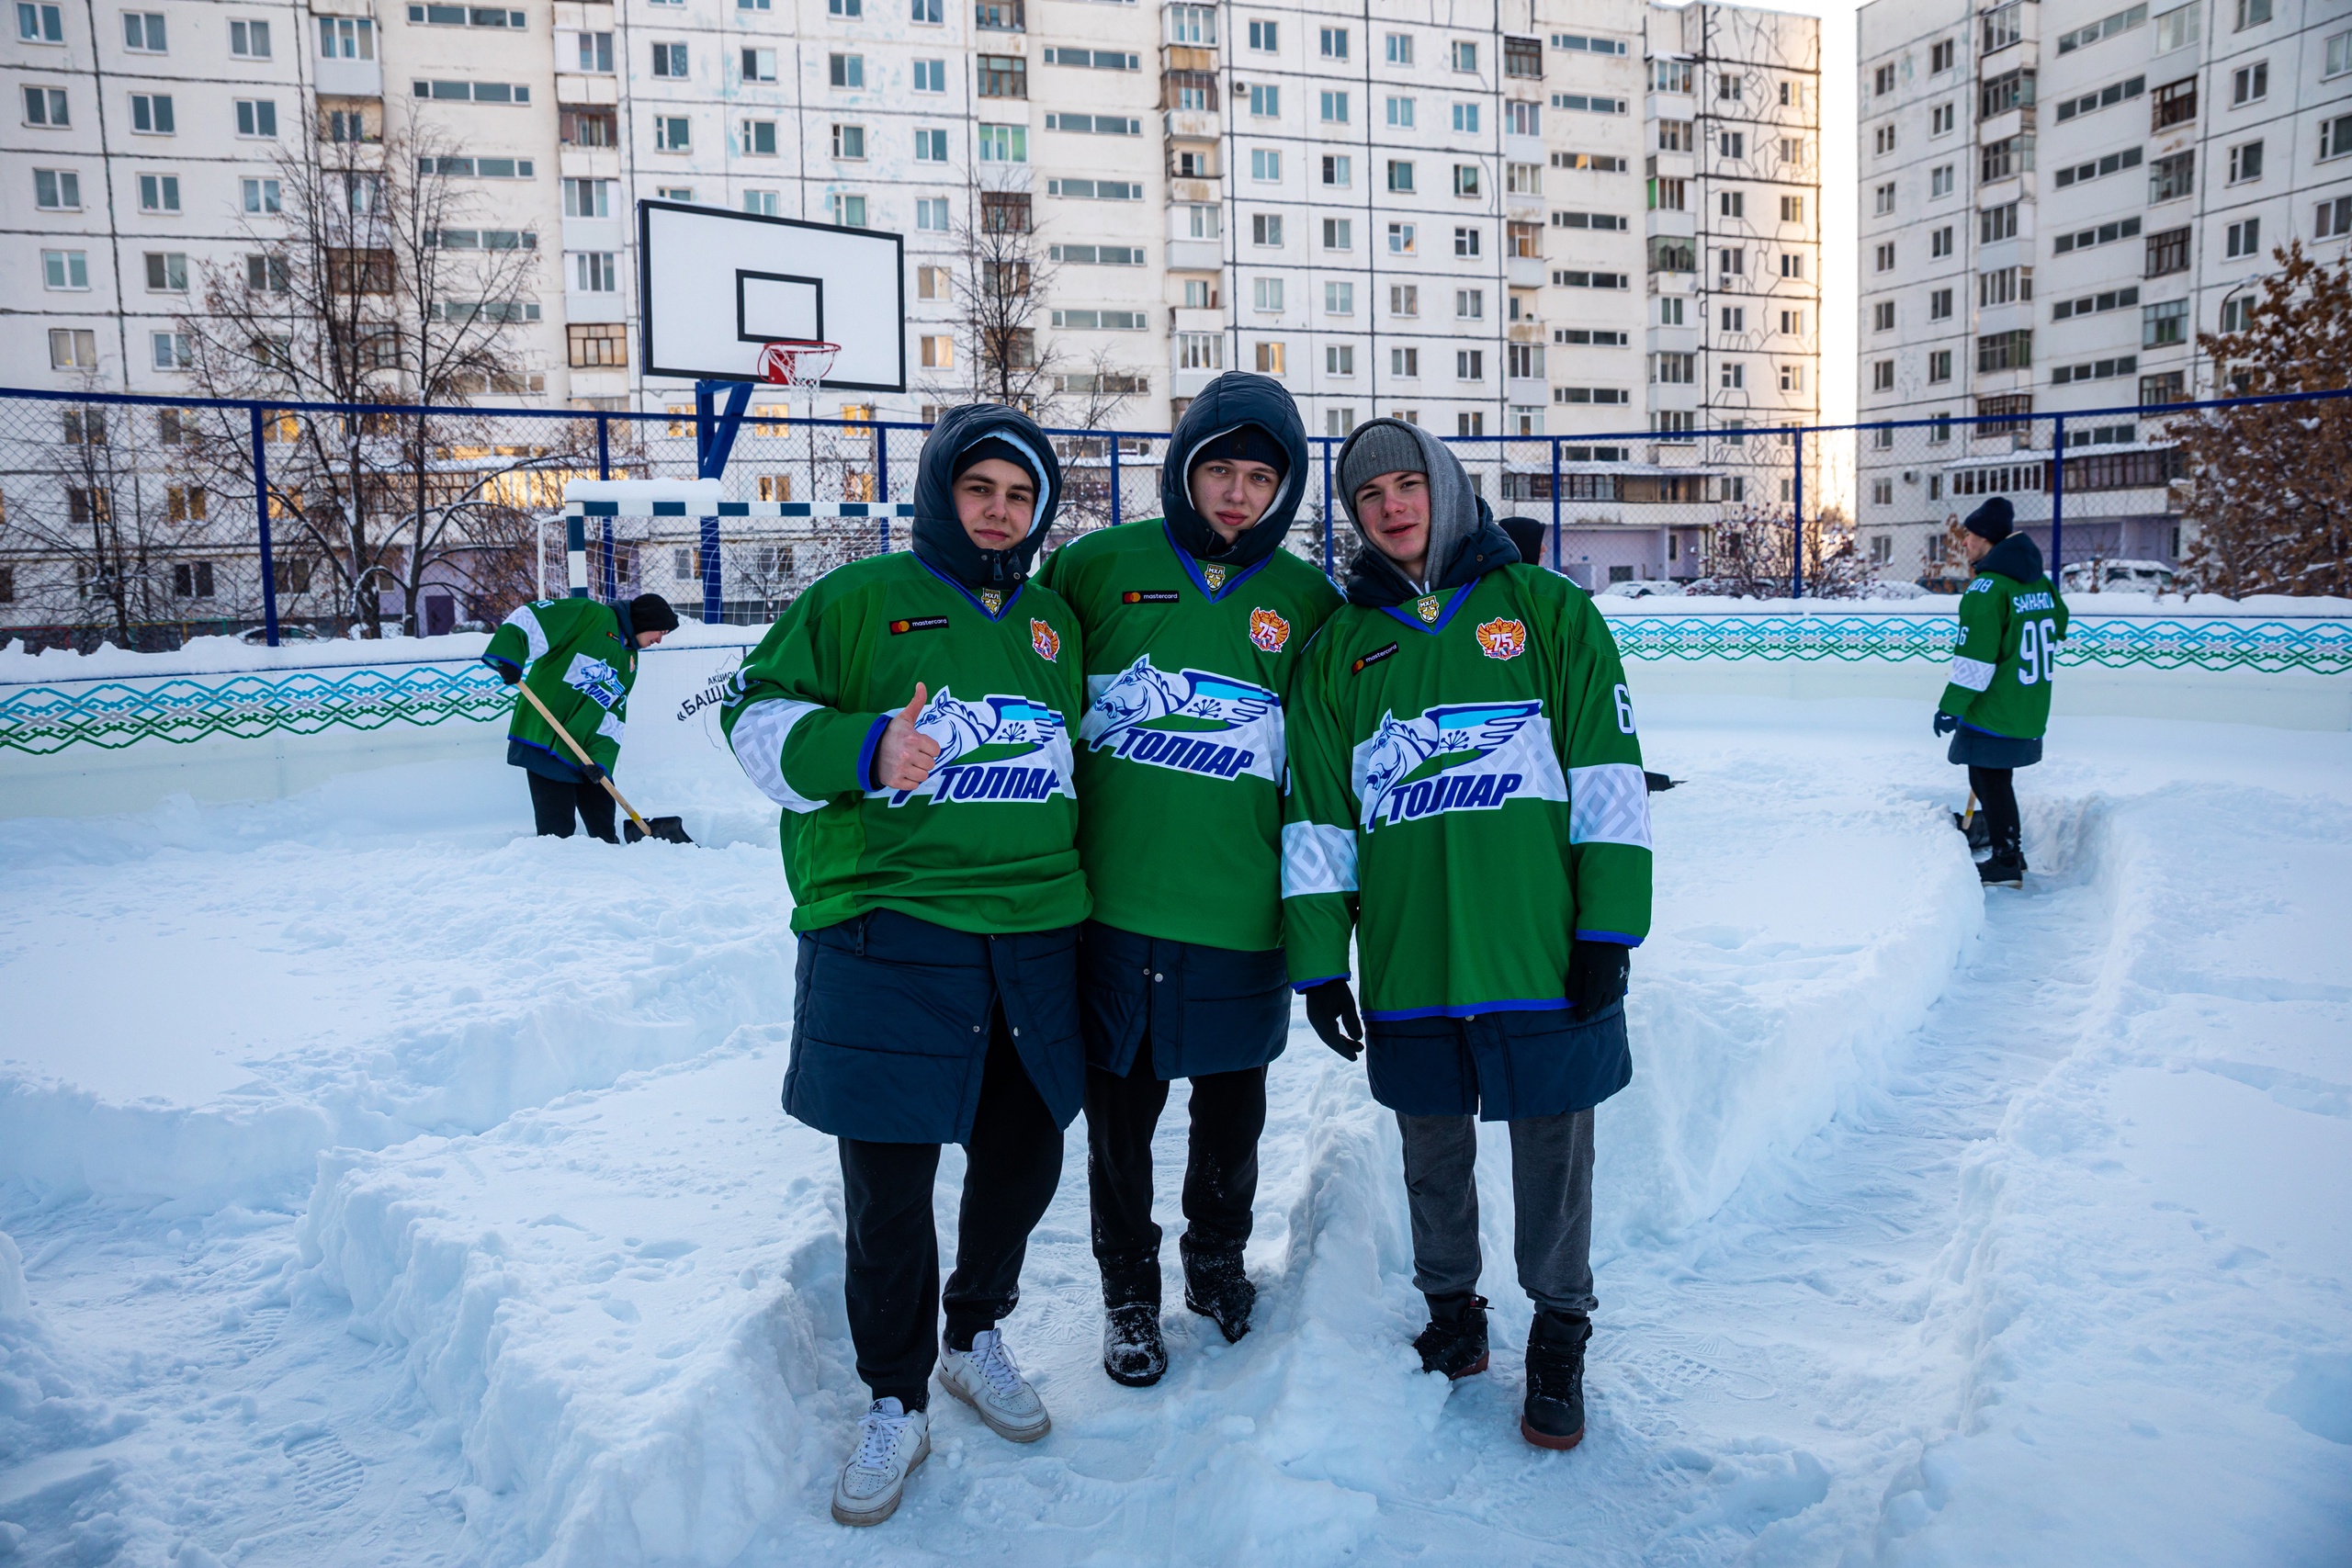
(2177, 1396)
(221, 655)
(387, 955)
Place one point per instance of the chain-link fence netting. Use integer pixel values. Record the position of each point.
(135, 521)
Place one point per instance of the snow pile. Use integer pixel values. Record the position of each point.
(214, 994)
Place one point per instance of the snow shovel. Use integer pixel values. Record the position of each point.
(1971, 823)
(669, 829)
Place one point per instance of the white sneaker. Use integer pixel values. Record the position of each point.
(890, 1442)
(985, 1378)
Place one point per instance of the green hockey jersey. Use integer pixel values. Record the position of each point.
(575, 660)
(1180, 755)
(2009, 633)
(1467, 793)
(989, 843)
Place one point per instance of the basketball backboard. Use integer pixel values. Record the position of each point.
(714, 287)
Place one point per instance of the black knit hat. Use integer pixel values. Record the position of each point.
(652, 612)
(1992, 521)
(996, 446)
(1244, 444)
(1526, 537)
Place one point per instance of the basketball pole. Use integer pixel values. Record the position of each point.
(715, 433)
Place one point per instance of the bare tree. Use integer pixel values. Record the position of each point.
(1001, 277)
(2270, 489)
(372, 280)
(1751, 555)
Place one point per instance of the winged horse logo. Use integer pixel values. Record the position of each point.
(1140, 694)
(1400, 750)
(994, 729)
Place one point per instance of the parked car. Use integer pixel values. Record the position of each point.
(2115, 577)
(256, 637)
(1878, 589)
(1640, 588)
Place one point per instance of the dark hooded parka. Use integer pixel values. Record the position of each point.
(1191, 644)
(1467, 801)
(920, 911)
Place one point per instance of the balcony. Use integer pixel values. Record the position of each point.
(1000, 17)
(1526, 272)
(1195, 256)
(1193, 125)
(350, 78)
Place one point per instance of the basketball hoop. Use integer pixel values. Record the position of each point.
(802, 365)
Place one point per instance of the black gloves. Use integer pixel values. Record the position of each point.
(1331, 1013)
(1946, 722)
(508, 674)
(591, 772)
(1597, 972)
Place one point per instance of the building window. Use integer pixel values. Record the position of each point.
(1268, 357)
(2245, 238)
(1334, 43)
(1001, 76)
(1470, 365)
(2250, 84)
(1339, 359)
(672, 133)
(67, 270)
(2173, 177)
(1466, 118)
(1267, 293)
(595, 272)
(167, 272)
(849, 141)
(160, 193)
(2161, 325)
(597, 345)
(2246, 163)
(41, 23)
(72, 348)
(1266, 230)
(2005, 351)
(143, 31)
(1339, 299)
(1400, 175)
(1466, 179)
(1465, 55)
(1469, 304)
(1266, 101)
(1339, 234)
(1404, 363)
(1004, 144)
(1401, 48)
(1882, 374)
(1404, 299)
(1265, 164)
(758, 203)
(1465, 242)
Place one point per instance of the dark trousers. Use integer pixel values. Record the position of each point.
(1551, 1190)
(1012, 1165)
(1220, 1169)
(553, 802)
(1996, 793)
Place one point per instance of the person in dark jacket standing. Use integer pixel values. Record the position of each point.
(580, 659)
(1995, 706)
(1467, 801)
(910, 712)
(1194, 624)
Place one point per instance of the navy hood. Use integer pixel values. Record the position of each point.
(940, 541)
(1465, 542)
(2016, 558)
(1233, 400)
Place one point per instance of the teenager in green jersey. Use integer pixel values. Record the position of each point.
(910, 712)
(1995, 708)
(1194, 624)
(579, 657)
(1467, 801)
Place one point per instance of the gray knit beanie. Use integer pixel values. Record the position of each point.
(1381, 446)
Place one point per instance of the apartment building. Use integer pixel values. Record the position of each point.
(1506, 221)
(145, 156)
(2057, 198)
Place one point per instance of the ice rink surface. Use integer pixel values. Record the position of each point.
(392, 1187)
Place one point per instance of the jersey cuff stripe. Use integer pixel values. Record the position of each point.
(758, 740)
(1317, 859)
(1972, 674)
(1620, 938)
(866, 778)
(1608, 803)
(1305, 985)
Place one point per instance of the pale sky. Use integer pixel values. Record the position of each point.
(1839, 202)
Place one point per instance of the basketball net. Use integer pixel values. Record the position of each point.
(799, 366)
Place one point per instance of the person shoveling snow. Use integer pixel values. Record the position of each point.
(579, 658)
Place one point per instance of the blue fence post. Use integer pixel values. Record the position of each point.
(1118, 513)
(1796, 517)
(1327, 508)
(261, 517)
(604, 447)
(1555, 503)
(882, 477)
(2057, 495)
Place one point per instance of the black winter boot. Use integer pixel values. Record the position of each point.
(1455, 1341)
(1216, 1288)
(1554, 1414)
(1133, 1352)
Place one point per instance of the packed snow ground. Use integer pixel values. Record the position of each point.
(392, 1186)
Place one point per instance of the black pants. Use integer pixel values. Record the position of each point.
(553, 802)
(1996, 793)
(1012, 1165)
(1220, 1169)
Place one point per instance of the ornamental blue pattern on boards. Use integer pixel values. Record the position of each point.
(181, 709)
(2221, 642)
(186, 708)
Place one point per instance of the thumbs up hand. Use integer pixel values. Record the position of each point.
(905, 758)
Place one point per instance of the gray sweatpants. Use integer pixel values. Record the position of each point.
(1551, 1183)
